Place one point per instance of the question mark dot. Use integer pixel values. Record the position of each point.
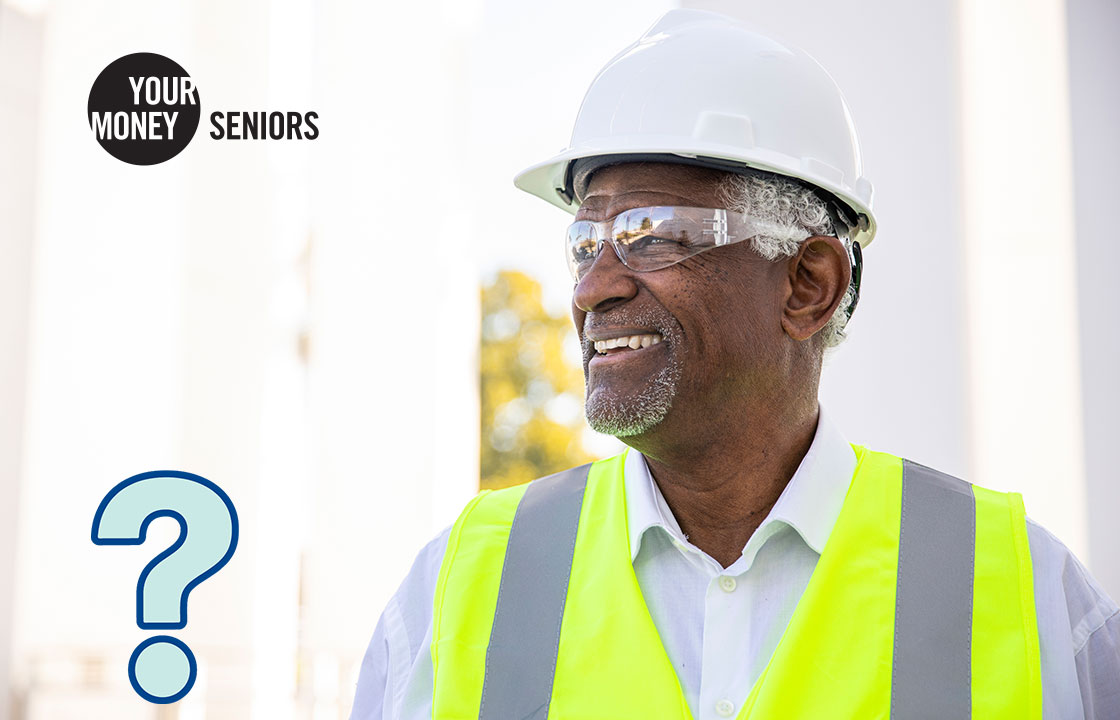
(162, 669)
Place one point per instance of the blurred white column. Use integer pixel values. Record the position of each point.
(21, 48)
(247, 416)
(286, 481)
(1024, 365)
(394, 312)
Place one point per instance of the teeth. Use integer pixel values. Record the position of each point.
(629, 341)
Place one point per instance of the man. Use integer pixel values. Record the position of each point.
(741, 559)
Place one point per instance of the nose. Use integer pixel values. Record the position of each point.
(608, 283)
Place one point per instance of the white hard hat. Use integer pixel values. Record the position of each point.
(703, 89)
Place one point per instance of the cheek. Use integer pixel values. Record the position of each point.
(729, 317)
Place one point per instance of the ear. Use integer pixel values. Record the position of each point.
(818, 276)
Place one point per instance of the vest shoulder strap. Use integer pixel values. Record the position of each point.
(933, 599)
(525, 636)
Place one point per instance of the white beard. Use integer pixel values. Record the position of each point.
(623, 416)
(620, 415)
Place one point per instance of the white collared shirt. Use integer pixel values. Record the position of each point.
(720, 626)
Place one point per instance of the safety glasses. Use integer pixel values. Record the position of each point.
(652, 238)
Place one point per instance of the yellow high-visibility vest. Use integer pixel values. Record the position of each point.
(921, 605)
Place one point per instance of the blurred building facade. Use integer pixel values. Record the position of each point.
(299, 323)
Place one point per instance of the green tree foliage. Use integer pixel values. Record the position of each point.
(531, 391)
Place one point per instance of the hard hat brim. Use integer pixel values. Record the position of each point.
(553, 181)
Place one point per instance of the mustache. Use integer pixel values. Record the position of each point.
(661, 322)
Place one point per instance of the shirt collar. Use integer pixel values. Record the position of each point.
(809, 504)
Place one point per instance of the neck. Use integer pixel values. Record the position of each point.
(721, 486)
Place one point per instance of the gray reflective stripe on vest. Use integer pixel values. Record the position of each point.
(931, 673)
(525, 637)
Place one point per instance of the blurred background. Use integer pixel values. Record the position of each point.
(350, 335)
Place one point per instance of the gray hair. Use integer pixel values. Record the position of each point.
(787, 211)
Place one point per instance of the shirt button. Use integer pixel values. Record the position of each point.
(725, 708)
(727, 582)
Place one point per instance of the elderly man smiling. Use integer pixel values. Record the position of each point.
(741, 559)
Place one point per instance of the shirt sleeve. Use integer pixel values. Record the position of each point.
(1079, 634)
(399, 655)
(1098, 669)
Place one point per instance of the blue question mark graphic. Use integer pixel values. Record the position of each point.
(162, 669)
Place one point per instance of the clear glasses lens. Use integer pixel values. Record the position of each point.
(655, 238)
(582, 247)
(650, 238)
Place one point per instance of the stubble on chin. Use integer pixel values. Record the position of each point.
(625, 414)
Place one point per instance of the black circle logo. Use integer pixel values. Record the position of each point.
(143, 108)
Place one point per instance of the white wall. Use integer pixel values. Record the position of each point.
(1094, 58)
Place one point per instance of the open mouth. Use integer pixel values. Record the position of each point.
(626, 343)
